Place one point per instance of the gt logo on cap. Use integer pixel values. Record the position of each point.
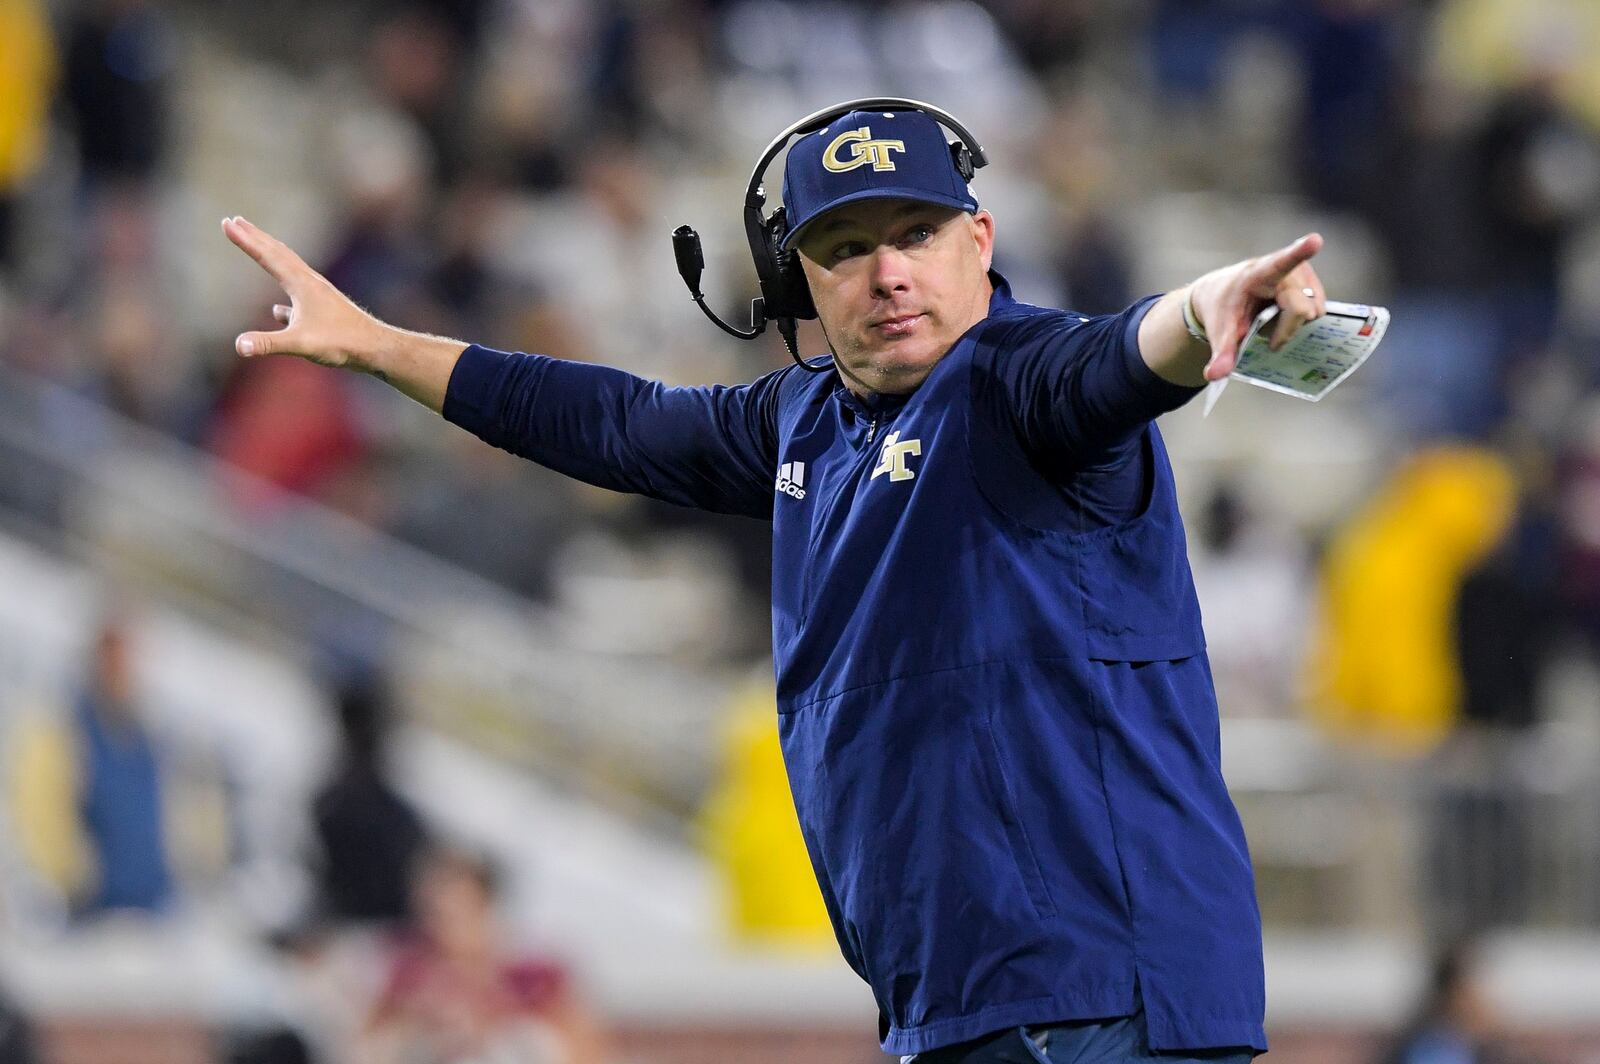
(863, 150)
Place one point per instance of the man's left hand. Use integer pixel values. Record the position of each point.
(1226, 301)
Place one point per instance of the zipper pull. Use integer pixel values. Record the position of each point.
(872, 430)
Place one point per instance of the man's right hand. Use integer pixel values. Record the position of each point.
(322, 324)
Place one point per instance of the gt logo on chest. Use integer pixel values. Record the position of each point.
(893, 458)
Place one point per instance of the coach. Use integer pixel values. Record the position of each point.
(995, 704)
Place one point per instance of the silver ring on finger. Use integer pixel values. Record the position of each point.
(1309, 293)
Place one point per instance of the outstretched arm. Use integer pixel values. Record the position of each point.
(322, 324)
(1225, 302)
(711, 448)
(1080, 390)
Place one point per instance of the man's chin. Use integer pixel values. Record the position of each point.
(900, 367)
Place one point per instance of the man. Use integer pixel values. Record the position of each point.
(994, 700)
(92, 794)
(458, 991)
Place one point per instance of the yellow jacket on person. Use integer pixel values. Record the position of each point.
(1498, 44)
(1383, 669)
(27, 77)
(753, 835)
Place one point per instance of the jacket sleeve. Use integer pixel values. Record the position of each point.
(1076, 390)
(712, 448)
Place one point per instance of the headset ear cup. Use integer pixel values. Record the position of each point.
(791, 295)
(961, 155)
(796, 289)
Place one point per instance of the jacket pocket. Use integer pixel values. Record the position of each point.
(1139, 599)
(997, 780)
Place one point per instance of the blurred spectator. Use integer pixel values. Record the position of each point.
(1506, 619)
(1537, 170)
(416, 57)
(369, 836)
(464, 281)
(525, 109)
(1481, 820)
(753, 835)
(458, 994)
(120, 795)
(1437, 375)
(648, 71)
(1095, 268)
(1081, 167)
(27, 73)
(120, 59)
(464, 288)
(1251, 579)
(1383, 668)
(278, 1045)
(1491, 44)
(1350, 51)
(17, 1042)
(1415, 195)
(41, 340)
(288, 423)
(1578, 514)
(618, 97)
(1048, 34)
(138, 370)
(381, 164)
(494, 515)
(89, 790)
(1453, 1023)
(1480, 218)
(618, 284)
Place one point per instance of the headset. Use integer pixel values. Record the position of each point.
(785, 297)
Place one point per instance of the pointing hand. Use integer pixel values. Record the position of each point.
(1227, 300)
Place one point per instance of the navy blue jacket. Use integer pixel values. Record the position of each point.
(995, 704)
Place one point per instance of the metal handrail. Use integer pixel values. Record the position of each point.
(581, 713)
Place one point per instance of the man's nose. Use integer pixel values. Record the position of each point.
(890, 272)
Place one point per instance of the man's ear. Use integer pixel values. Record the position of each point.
(983, 233)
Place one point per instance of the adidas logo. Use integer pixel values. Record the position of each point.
(792, 478)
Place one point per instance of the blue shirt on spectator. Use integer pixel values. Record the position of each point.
(121, 807)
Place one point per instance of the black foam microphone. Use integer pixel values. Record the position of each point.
(691, 264)
(691, 260)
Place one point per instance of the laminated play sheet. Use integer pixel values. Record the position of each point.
(1315, 360)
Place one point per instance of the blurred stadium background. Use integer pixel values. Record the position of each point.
(268, 633)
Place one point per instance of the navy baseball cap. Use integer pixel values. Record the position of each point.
(870, 155)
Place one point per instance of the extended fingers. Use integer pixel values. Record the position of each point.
(271, 254)
(285, 341)
(1303, 282)
(1273, 268)
(258, 343)
(1301, 299)
(1286, 326)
